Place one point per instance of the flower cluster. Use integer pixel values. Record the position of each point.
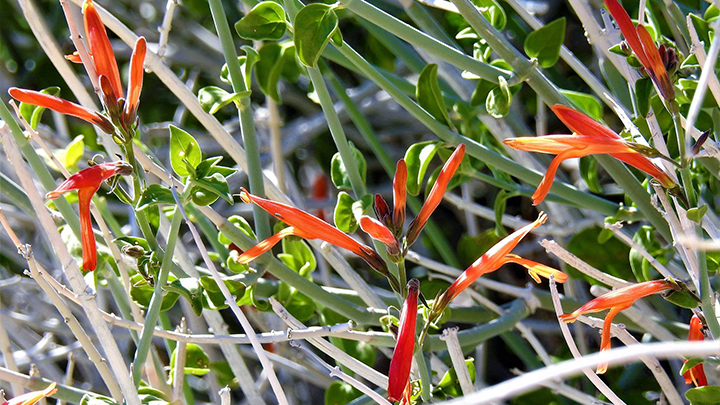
(617, 301)
(120, 110)
(87, 182)
(591, 138)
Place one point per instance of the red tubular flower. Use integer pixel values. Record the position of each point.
(135, 81)
(399, 375)
(696, 375)
(32, 397)
(592, 138)
(102, 53)
(87, 182)
(61, 106)
(310, 227)
(436, 194)
(399, 194)
(495, 257)
(380, 232)
(644, 47)
(616, 301)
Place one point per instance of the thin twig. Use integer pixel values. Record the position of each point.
(336, 372)
(6, 350)
(179, 366)
(80, 45)
(652, 363)
(597, 382)
(554, 248)
(449, 335)
(165, 28)
(276, 142)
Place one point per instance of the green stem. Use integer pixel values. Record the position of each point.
(425, 41)
(685, 178)
(14, 193)
(426, 393)
(402, 276)
(140, 216)
(336, 130)
(707, 297)
(247, 125)
(38, 167)
(153, 311)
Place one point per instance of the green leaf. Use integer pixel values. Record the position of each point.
(273, 58)
(266, 21)
(589, 173)
(183, 148)
(702, 28)
(215, 298)
(499, 99)
(338, 172)
(123, 241)
(545, 42)
(302, 258)
(450, 384)
(240, 223)
(189, 288)
(429, 96)
(197, 361)
(214, 185)
(587, 103)
(499, 207)
(417, 159)
(314, 25)
(95, 399)
(709, 395)
(298, 304)
(493, 12)
(340, 393)
(233, 265)
(361, 206)
(343, 216)
(251, 58)
(154, 194)
(33, 113)
(682, 299)
(643, 92)
(696, 214)
(141, 292)
(213, 98)
(72, 154)
(690, 363)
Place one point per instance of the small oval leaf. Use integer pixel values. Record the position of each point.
(266, 21)
(314, 25)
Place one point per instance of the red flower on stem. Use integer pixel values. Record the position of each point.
(399, 375)
(696, 375)
(436, 194)
(644, 47)
(32, 397)
(399, 195)
(592, 138)
(617, 301)
(87, 182)
(493, 259)
(122, 111)
(305, 226)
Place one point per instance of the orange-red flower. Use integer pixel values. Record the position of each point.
(399, 375)
(644, 47)
(617, 301)
(399, 195)
(122, 111)
(696, 375)
(380, 232)
(436, 194)
(493, 259)
(592, 138)
(87, 182)
(32, 397)
(305, 226)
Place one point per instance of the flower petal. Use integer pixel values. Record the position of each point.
(33, 397)
(136, 79)
(89, 248)
(399, 194)
(605, 338)
(401, 362)
(262, 247)
(62, 106)
(91, 177)
(537, 269)
(380, 232)
(655, 66)
(628, 29)
(100, 48)
(436, 194)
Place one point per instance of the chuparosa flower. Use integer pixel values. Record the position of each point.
(436, 194)
(696, 375)
(122, 111)
(644, 47)
(617, 301)
(305, 226)
(32, 397)
(399, 375)
(493, 259)
(87, 182)
(592, 138)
